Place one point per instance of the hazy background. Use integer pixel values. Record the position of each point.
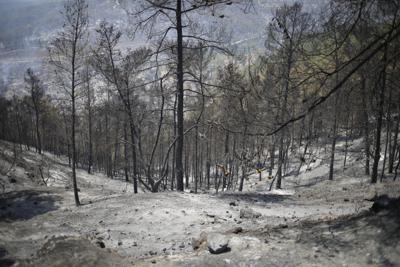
(26, 26)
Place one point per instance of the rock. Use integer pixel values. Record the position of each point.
(233, 203)
(218, 244)
(199, 242)
(119, 243)
(248, 213)
(237, 230)
(100, 244)
(316, 249)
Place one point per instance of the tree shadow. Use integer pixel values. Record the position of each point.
(253, 197)
(4, 258)
(312, 182)
(26, 204)
(351, 231)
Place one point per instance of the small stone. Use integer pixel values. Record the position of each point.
(100, 244)
(152, 253)
(248, 213)
(233, 203)
(119, 243)
(316, 249)
(237, 230)
(218, 244)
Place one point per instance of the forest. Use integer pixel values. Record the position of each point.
(313, 114)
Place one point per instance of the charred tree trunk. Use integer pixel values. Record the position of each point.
(179, 145)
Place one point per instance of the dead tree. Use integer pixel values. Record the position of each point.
(175, 15)
(36, 93)
(66, 54)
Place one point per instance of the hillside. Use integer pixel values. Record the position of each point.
(312, 222)
(26, 27)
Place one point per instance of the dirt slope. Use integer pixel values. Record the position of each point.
(313, 222)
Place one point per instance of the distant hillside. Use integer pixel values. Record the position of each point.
(26, 26)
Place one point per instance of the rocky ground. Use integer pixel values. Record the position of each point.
(313, 222)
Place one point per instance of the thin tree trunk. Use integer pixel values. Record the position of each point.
(377, 155)
(90, 160)
(392, 152)
(126, 163)
(243, 159)
(134, 159)
(365, 126)
(39, 142)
